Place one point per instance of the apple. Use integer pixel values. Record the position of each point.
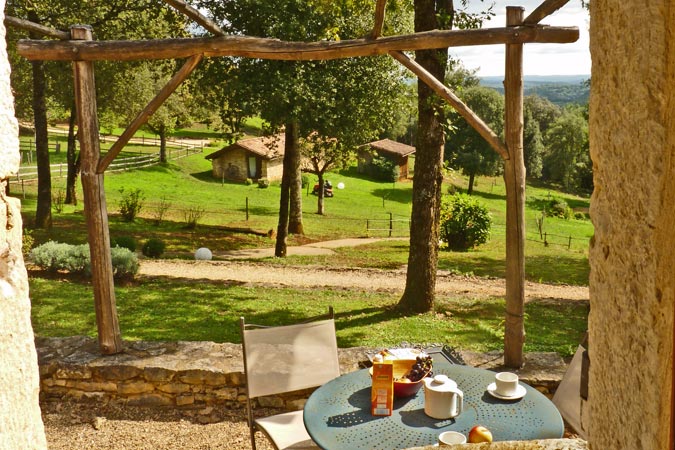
(479, 434)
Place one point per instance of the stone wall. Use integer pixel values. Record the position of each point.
(195, 375)
(20, 421)
(632, 286)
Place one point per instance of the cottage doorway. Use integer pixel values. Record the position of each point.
(253, 167)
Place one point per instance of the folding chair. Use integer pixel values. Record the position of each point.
(284, 359)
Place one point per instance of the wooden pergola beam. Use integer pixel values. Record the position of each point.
(265, 48)
(27, 25)
(379, 19)
(542, 11)
(194, 14)
(471, 117)
(148, 111)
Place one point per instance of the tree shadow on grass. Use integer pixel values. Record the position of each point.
(393, 195)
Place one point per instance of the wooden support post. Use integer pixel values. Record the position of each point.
(109, 336)
(514, 178)
(379, 19)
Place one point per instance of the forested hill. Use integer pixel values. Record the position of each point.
(559, 89)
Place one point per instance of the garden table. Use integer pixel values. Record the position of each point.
(337, 415)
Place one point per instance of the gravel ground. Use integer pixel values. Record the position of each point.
(106, 427)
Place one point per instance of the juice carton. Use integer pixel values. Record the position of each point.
(382, 394)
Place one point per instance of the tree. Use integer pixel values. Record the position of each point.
(344, 100)
(465, 148)
(567, 148)
(533, 146)
(112, 19)
(420, 285)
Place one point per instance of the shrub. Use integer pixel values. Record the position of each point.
(124, 262)
(248, 182)
(124, 242)
(131, 204)
(55, 256)
(304, 180)
(58, 200)
(192, 216)
(263, 183)
(153, 248)
(465, 223)
(559, 208)
(161, 209)
(384, 169)
(27, 241)
(580, 216)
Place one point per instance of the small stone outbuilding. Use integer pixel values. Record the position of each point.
(396, 152)
(253, 158)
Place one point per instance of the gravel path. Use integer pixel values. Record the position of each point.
(75, 426)
(366, 279)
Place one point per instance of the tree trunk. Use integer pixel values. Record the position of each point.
(162, 144)
(43, 214)
(320, 201)
(72, 160)
(295, 160)
(282, 227)
(420, 286)
(472, 177)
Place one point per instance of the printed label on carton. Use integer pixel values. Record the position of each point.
(382, 395)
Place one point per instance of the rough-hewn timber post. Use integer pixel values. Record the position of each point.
(109, 337)
(514, 179)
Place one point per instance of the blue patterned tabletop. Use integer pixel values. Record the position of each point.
(337, 415)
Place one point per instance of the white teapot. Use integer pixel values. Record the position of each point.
(442, 398)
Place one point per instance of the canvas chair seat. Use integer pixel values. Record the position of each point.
(288, 358)
(286, 431)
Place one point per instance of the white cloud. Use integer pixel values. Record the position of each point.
(538, 59)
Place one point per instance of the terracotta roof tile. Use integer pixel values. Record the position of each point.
(393, 147)
(268, 147)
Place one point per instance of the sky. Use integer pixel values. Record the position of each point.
(538, 59)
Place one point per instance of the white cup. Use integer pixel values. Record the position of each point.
(506, 383)
(451, 437)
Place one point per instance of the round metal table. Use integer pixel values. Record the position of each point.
(337, 415)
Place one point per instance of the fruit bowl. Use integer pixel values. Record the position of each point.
(402, 386)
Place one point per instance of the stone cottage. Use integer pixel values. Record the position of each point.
(396, 152)
(253, 158)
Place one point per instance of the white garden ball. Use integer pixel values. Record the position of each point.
(203, 254)
(341, 185)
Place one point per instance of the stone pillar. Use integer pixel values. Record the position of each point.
(632, 282)
(20, 421)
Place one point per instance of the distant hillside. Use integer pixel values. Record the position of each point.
(559, 89)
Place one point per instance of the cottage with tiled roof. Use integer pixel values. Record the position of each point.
(396, 152)
(253, 158)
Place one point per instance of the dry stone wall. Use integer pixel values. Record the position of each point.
(197, 375)
(20, 421)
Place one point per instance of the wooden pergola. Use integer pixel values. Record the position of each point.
(79, 47)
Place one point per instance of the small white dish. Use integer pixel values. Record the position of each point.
(520, 392)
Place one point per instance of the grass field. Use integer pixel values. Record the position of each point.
(160, 309)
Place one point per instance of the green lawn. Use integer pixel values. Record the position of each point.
(166, 309)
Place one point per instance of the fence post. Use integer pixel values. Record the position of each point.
(367, 225)
(23, 190)
(391, 223)
(247, 209)
(545, 240)
(569, 243)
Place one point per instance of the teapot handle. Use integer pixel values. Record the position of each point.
(460, 404)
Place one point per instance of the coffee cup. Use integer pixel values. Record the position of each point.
(450, 438)
(506, 383)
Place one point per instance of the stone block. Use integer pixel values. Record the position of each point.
(296, 405)
(191, 376)
(236, 379)
(271, 401)
(158, 374)
(149, 400)
(225, 393)
(73, 373)
(92, 386)
(215, 379)
(119, 373)
(184, 400)
(135, 387)
(173, 388)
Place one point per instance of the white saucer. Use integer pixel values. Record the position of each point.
(520, 392)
